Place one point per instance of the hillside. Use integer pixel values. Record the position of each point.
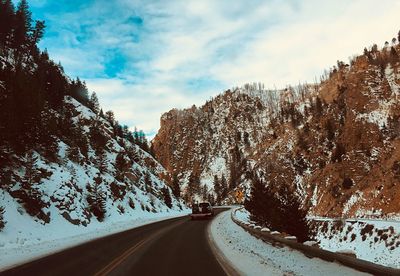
(67, 167)
(334, 144)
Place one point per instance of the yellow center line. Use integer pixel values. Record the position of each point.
(117, 261)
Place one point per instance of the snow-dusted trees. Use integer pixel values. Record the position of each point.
(167, 197)
(176, 188)
(29, 194)
(148, 184)
(194, 184)
(96, 199)
(217, 189)
(277, 208)
(121, 165)
(94, 103)
(220, 188)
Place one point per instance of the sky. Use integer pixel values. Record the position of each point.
(145, 57)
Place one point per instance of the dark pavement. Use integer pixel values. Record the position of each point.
(176, 246)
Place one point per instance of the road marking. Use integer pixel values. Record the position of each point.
(117, 261)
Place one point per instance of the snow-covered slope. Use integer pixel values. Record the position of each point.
(58, 200)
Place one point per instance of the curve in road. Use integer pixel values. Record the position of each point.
(176, 246)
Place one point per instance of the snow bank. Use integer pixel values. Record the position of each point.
(251, 256)
(377, 241)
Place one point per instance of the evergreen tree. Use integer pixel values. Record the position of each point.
(97, 137)
(73, 154)
(29, 194)
(167, 197)
(31, 176)
(217, 189)
(94, 103)
(295, 221)
(23, 25)
(280, 210)
(6, 22)
(97, 201)
(176, 189)
(120, 166)
(109, 116)
(148, 184)
(224, 187)
(102, 161)
(194, 184)
(37, 33)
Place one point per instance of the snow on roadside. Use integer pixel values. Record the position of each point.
(34, 240)
(373, 240)
(251, 256)
(376, 241)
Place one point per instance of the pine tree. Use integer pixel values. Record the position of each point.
(94, 103)
(176, 189)
(38, 32)
(259, 204)
(102, 161)
(217, 189)
(31, 176)
(109, 116)
(167, 197)
(97, 201)
(6, 22)
(29, 194)
(23, 25)
(280, 210)
(294, 216)
(73, 154)
(224, 187)
(97, 137)
(120, 166)
(148, 184)
(194, 184)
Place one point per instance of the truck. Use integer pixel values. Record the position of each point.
(201, 210)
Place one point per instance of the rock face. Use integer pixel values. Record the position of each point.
(336, 143)
(215, 139)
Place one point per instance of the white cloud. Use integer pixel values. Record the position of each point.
(216, 45)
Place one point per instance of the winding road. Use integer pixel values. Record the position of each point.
(176, 246)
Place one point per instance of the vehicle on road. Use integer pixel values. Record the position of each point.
(201, 210)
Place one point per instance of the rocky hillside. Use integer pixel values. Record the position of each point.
(335, 143)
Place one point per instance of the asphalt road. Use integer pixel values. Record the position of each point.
(177, 246)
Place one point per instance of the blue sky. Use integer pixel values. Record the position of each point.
(145, 57)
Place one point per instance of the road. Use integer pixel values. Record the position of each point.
(176, 246)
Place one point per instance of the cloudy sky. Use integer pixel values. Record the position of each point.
(145, 57)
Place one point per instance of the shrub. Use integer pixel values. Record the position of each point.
(121, 209)
(118, 191)
(131, 203)
(367, 229)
